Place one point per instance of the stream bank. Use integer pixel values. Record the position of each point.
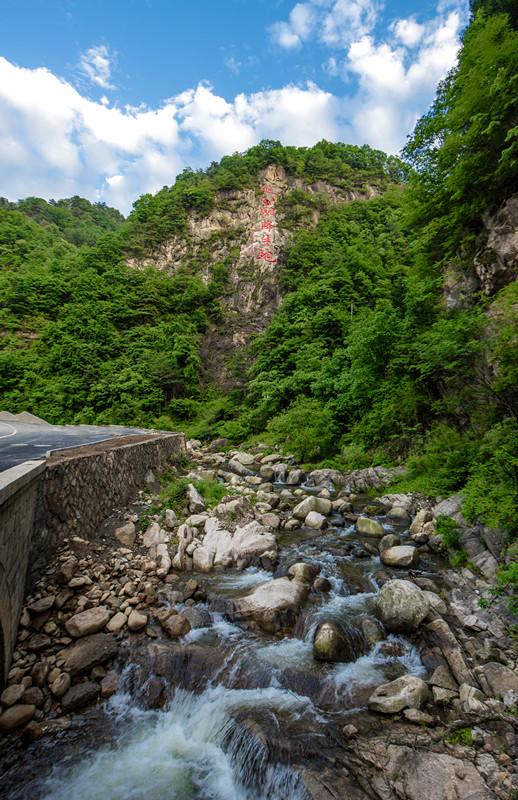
(299, 639)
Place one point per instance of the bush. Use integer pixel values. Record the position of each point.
(444, 464)
(307, 429)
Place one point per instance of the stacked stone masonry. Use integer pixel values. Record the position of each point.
(70, 495)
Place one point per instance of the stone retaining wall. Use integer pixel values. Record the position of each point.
(69, 495)
(18, 492)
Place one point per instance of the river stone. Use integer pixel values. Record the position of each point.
(295, 476)
(405, 692)
(218, 543)
(398, 514)
(235, 466)
(369, 527)
(154, 535)
(16, 716)
(401, 606)
(126, 534)
(273, 604)
(322, 585)
(440, 633)
(67, 570)
(202, 559)
(90, 621)
(197, 617)
(60, 685)
(33, 696)
(137, 620)
(117, 622)
(305, 573)
(389, 540)
(246, 459)
(13, 694)
(402, 555)
(320, 504)
(175, 625)
(333, 642)
(109, 684)
(88, 652)
(251, 541)
(421, 518)
(315, 520)
(42, 605)
(80, 695)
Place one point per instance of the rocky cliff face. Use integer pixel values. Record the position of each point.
(495, 263)
(246, 234)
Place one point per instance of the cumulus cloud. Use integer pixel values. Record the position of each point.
(96, 64)
(54, 142)
(333, 22)
(297, 29)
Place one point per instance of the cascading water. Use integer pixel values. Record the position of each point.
(229, 713)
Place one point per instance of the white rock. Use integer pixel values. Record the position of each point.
(315, 520)
(405, 692)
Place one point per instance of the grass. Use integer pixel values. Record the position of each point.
(462, 736)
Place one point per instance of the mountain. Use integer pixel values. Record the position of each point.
(356, 308)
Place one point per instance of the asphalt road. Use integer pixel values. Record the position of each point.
(20, 441)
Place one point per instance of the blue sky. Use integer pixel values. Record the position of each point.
(111, 99)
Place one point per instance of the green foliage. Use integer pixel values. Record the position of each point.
(212, 491)
(462, 736)
(507, 583)
(305, 429)
(491, 490)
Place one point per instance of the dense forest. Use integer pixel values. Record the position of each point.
(363, 363)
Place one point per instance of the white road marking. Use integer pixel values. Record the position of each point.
(5, 435)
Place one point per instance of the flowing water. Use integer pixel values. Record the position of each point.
(230, 713)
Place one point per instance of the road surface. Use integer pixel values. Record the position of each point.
(20, 441)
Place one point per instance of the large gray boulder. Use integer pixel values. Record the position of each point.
(401, 606)
(498, 681)
(369, 527)
(88, 652)
(405, 692)
(273, 605)
(90, 621)
(252, 541)
(320, 504)
(402, 555)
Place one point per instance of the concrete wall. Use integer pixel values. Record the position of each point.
(18, 494)
(71, 494)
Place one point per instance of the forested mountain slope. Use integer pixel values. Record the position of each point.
(338, 301)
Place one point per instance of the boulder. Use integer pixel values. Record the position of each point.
(60, 685)
(441, 635)
(389, 540)
(202, 559)
(42, 605)
(155, 535)
(80, 695)
(421, 518)
(195, 501)
(498, 681)
(320, 504)
(12, 694)
(401, 606)
(251, 541)
(117, 622)
(88, 651)
(487, 564)
(197, 617)
(126, 534)
(163, 560)
(369, 527)
(218, 542)
(235, 466)
(305, 573)
(403, 555)
(175, 625)
(295, 476)
(273, 605)
(246, 459)
(405, 692)
(315, 520)
(16, 716)
(109, 684)
(335, 642)
(86, 622)
(170, 519)
(399, 515)
(137, 620)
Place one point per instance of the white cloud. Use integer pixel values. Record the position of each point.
(408, 31)
(54, 142)
(96, 64)
(334, 22)
(297, 30)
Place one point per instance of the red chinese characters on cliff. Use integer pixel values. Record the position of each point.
(268, 223)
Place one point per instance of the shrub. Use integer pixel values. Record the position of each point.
(307, 429)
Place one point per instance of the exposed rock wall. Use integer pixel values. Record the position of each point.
(229, 233)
